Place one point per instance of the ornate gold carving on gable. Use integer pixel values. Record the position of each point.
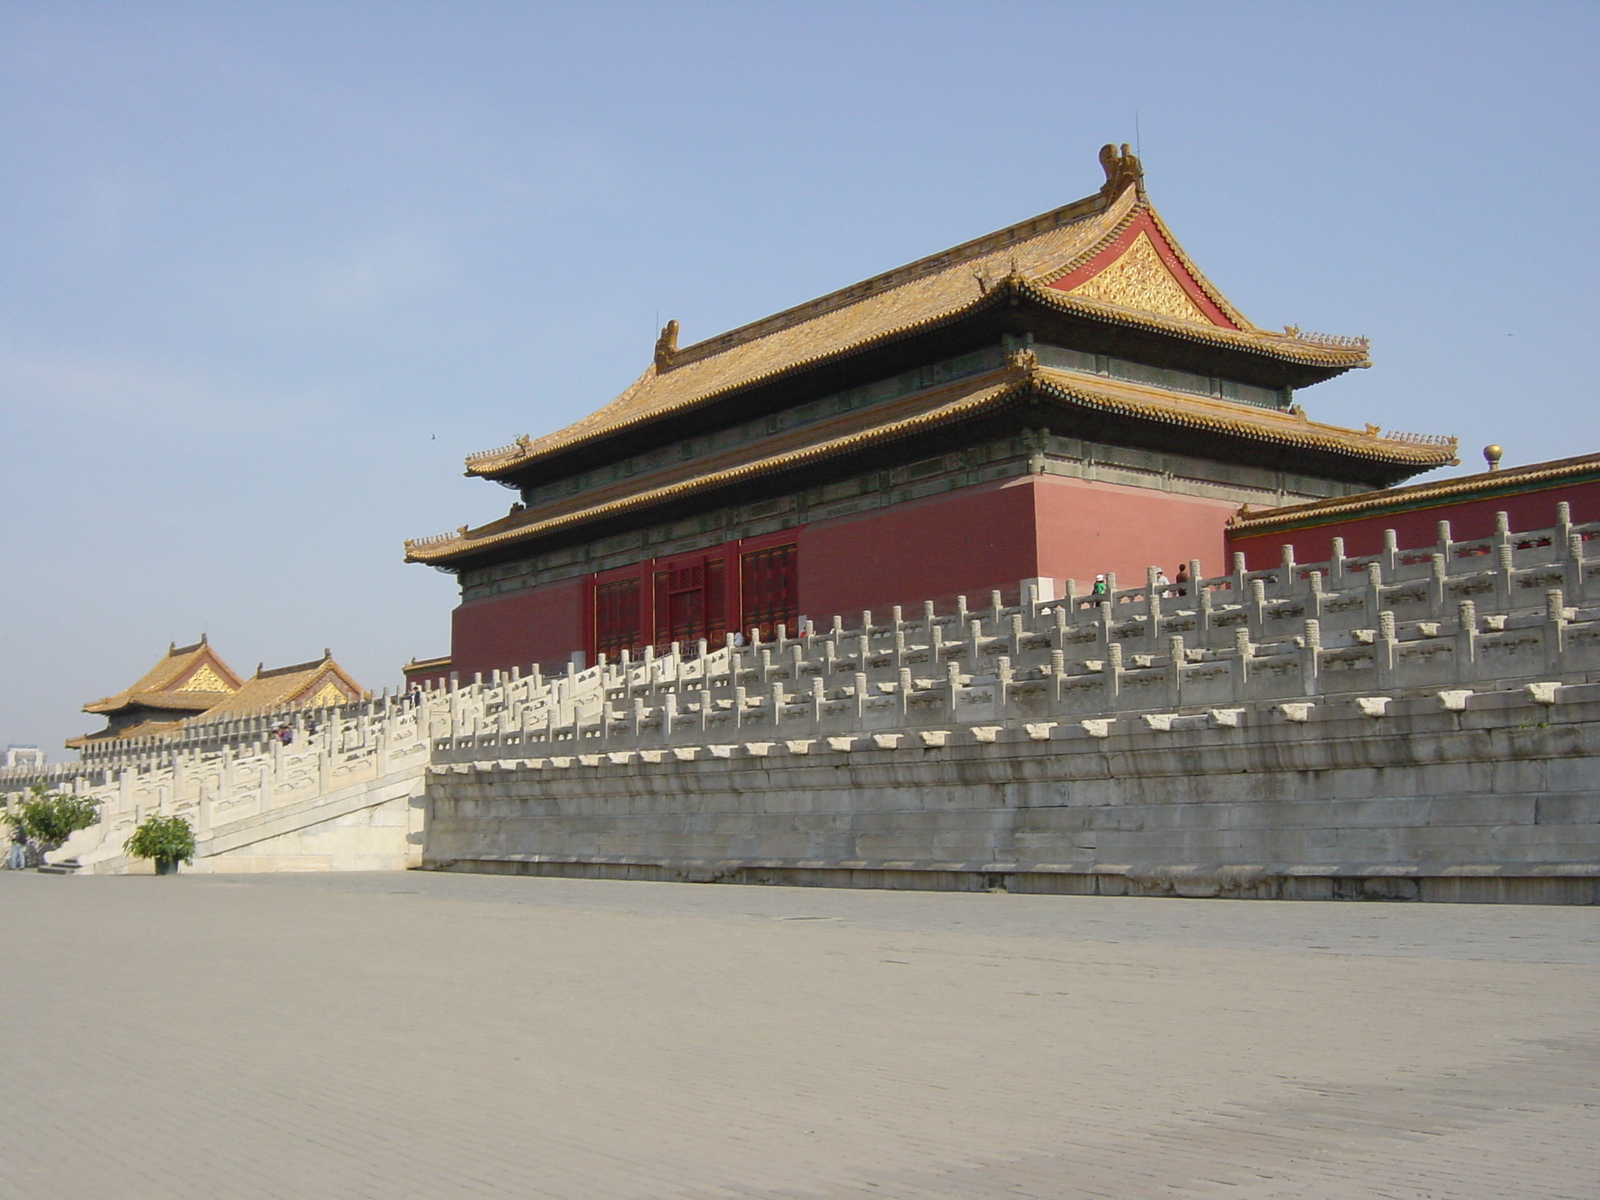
(328, 694)
(1139, 279)
(205, 680)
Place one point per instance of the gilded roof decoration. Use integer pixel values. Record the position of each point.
(1020, 261)
(205, 680)
(1140, 280)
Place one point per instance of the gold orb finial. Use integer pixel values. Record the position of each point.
(1491, 455)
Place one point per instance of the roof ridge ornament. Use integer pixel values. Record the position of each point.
(667, 346)
(1122, 169)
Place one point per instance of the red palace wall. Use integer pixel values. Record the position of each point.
(965, 542)
(540, 625)
(1469, 519)
(962, 543)
(1084, 529)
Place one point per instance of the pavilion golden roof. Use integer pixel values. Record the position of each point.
(186, 678)
(192, 682)
(1028, 259)
(282, 687)
(921, 411)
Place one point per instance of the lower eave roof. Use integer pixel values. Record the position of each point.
(963, 399)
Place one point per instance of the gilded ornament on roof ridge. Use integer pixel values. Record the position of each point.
(1139, 279)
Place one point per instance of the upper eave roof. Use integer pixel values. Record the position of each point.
(1020, 261)
(154, 689)
(1482, 485)
(925, 410)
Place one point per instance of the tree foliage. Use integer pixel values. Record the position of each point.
(167, 839)
(50, 818)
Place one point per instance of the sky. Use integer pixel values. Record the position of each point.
(269, 271)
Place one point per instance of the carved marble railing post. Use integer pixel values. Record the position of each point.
(1374, 592)
(1555, 630)
(1257, 610)
(1571, 547)
(1504, 575)
(1177, 657)
(1152, 609)
(1113, 673)
(1311, 657)
(1239, 664)
(1003, 679)
(1391, 555)
(1384, 649)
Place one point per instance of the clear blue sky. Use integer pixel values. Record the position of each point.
(268, 271)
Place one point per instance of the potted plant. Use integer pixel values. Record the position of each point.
(47, 819)
(168, 840)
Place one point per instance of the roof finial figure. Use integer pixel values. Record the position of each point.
(667, 346)
(1122, 169)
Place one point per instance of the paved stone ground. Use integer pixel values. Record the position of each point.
(419, 1035)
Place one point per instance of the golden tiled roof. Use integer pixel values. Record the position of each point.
(1020, 260)
(295, 685)
(912, 414)
(1510, 480)
(165, 684)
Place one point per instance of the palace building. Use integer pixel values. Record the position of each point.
(1065, 397)
(191, 682)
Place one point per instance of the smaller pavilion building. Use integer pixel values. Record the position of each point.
(193, 682)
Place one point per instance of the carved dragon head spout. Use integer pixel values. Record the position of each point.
(1122, 168)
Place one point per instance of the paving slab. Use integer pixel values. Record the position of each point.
(413, 1034)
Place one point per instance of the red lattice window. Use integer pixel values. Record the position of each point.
(770, 590)
(616, 617)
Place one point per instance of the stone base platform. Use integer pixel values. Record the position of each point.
(1565, 883)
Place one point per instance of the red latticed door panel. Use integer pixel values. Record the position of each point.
(616, 617)
(770, 589)
(716, 602)
(690, 603)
